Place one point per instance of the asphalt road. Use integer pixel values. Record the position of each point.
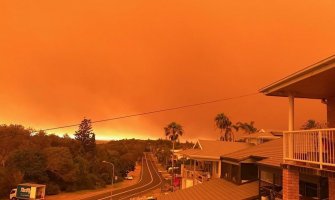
(150, 179)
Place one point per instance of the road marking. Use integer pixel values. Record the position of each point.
(142, 185)
(136, 183)
(160, 182)
(105, 198)
(141, 172)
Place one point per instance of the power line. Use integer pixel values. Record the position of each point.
(157, 111)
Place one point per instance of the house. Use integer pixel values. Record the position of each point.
(308, 152)
(243, 166)
(257, 138)
(245, 174)
(203, 160)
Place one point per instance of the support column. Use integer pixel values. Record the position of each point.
(290, 184)
(290, 126)
(331, 112)
(331, 188)
(291, 113)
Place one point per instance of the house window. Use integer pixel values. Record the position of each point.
(267, 176)
(230, 172)
(249, 171)
(307, 189)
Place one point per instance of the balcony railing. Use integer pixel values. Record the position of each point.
(200, 176)
(311, 147)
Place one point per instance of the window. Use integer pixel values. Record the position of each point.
(308, 189)
(267, 176)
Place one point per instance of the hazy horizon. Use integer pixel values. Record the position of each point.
(62, 61)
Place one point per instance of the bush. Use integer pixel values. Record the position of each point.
(52, 189)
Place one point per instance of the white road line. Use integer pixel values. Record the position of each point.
(138, 182)
(142, 185)
(160, 182)
(105, 198)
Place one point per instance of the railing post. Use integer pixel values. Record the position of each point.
(320, 149)
(290, 145)
(291, 126)
(284, 145)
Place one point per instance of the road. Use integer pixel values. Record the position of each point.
(150, 180)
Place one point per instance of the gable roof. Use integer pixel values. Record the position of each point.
(215, 189)
(314, 82)
(271, 152)
(211, 149)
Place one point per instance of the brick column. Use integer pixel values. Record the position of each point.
(331, 186)
(290, 184)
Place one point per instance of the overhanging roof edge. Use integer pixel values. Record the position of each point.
(316, 68)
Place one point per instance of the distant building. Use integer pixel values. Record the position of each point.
(309, 152)
(203, 160)
(258, 138)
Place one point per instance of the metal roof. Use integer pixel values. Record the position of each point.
(271, 152)
(212, 150)
(214, 190)
(314, 82)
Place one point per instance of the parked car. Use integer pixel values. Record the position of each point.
(129, 177)
(175, 169)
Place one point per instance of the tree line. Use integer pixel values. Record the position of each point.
(63, 163)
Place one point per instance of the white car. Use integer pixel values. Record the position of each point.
(129, 177)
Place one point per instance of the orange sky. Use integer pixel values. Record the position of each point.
(64, 60)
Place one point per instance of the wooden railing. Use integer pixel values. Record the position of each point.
(310, 146)
(197, 175)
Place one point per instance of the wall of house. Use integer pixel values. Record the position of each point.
(290, 184)
(331, 112)
(331, 185)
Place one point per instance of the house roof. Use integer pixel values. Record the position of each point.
(264, 135)
(215, 189)
(314, 82)
(271, 152)
(214, 149)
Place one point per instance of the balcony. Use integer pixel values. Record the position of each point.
(198, 174)
(313, 148)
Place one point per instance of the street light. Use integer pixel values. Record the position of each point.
(113, 170)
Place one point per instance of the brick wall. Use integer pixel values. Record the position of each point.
(331, 185)
(290, 184)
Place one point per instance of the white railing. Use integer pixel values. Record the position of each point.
(197, 175)
(310, 146)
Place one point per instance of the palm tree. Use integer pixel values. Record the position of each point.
(247, 127)
(225, 125)
(173, 131)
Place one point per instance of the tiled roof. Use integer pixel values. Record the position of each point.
(217, 189)
(271, 151)
(214, 149)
